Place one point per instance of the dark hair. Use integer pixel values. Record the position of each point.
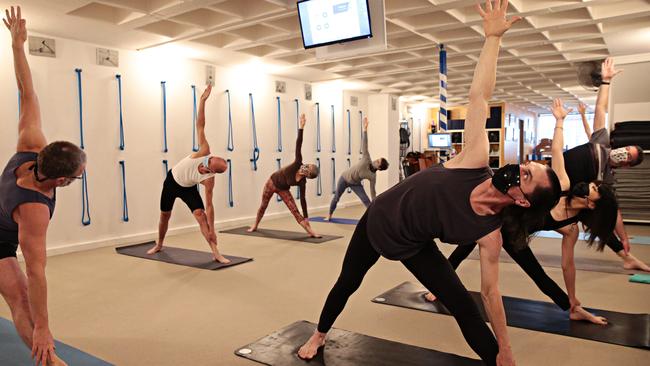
(600, 221)
(520, 222)
(383, 165)
(639, 156)
(60, 159)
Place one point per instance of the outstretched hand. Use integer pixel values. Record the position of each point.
(582, 108)
(365, 123)
(16, 25)
(559, 112)
(608, 71)
(206, 93)
(495, 23)
(303, 120)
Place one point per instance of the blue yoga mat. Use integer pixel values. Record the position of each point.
(13, 351)
(334, 220)
(635, 239)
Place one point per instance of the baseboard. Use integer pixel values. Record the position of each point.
(152, 235)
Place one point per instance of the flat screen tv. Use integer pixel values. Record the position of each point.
(439, 140)
(326, 22)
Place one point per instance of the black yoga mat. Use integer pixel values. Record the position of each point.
(13, 352)
(632, 330)
(582, 263)
(281, 234)
(344, 348)
(183, 257)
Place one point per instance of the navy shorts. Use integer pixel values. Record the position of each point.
(172, 190)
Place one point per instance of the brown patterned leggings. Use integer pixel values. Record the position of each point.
(269, 190)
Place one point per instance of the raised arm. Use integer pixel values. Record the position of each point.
(602, 101)
(30, 133)
(582, 108)
(301, 129)
(557, 153)
(489, 249)
(33, 219)
(476, 151)
(364, 140)
(204, 147)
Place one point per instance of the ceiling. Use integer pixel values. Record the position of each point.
(537, 61)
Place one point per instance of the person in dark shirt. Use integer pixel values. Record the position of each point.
(596, 160)
(27, 199)
(459, 202)
(294, 174)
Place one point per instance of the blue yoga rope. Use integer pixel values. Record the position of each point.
(231, 199)
(164, 96)
(333, 176)
(165, 167)
(277, 196)
(279, 126)
(333, 131)
(318, 148)
(360, 132)
(195, 147)
(256, 149)
(85, 203)
(119, 98)
(125, 205)
(231, 142)
(297, 114)
(319, 183)
(349, 134)
(349, 165)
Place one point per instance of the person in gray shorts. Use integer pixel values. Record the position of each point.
(351, 178)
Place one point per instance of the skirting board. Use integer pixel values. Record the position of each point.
(152, 235)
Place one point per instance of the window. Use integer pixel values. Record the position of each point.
(574, 133)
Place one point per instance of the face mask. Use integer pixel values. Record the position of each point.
(206, 163)
(580, 190)
(620, 155)
(304, 170)
(506, 177)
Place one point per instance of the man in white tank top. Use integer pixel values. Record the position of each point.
(181, 182)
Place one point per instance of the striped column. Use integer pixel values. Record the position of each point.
(442, 114)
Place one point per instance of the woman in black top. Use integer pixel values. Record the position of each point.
(294, 174)
(457, 202)
(593, 204)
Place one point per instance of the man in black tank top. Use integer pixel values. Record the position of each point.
(27, 198)
(402, 222)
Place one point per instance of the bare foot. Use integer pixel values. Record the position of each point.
(329, 218)
(56, 361)
(578, 313)
(317, 236)
(155, 249)
(430, 297)
(252, 228)
(221, 259)
(310, 349)
(631, 262)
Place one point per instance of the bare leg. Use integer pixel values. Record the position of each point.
(267, 193)
(163, 225)
(13, 287)
(209, 236)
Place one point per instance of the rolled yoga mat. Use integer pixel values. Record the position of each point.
(281, 234)
(334, 220)
(13, 352)
(623, 329)
(344, 348)
(180, 256)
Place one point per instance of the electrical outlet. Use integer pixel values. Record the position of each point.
(307, 91)
(209, 75)
(106, 57)
(39, 46)
(280, 86)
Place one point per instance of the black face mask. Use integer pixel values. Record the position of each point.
(506, 177)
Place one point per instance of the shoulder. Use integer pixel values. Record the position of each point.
(32, 214)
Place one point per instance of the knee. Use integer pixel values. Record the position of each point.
(198, 214)
(165, 216)
(18, 298)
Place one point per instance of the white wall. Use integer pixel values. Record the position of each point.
(630, 93)
(55, 82)
(384, 135)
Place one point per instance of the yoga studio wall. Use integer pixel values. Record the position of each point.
(143, 115)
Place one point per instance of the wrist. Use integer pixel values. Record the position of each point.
(606, 81)
(18, 46)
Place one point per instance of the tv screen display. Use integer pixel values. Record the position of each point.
(440, 140)
(325, 22)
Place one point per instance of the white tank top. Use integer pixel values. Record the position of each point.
(186, 172)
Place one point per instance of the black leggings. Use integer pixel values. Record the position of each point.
(431, 268)
(527, 261)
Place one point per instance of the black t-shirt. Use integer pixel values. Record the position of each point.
(434, 203)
